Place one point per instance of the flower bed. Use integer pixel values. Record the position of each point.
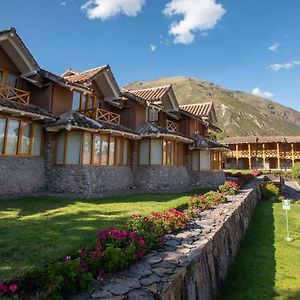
(114, 249)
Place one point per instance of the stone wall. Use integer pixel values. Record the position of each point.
(211, 179)
(161, 178)
(21, 175)
(192, 264)
(88, 180)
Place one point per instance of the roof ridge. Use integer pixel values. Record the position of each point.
(152, 88)
(93, 69)
(199, 103)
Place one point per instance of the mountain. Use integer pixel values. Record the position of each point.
(238, 113)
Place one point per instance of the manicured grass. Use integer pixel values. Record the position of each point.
(37, 231)
(267, 267)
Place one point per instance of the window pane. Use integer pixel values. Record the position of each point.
(85, 102)
(76, 100)
(2, 133)
(25, 139)
(74, 148)
(1, 77)
(125, 156)
(195, 160)
(156, 152)
(104, 151)
(111, 151)
(11, 80)
(204, 160)
(12, 137)
(144, 152)
(97, 147)
(60, 148)
(119, 151)
(165, 153)
(37, 140)
(87, 149)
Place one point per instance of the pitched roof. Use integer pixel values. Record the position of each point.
(29, 108)
(84, 77)
(199, 109)
(261, 139)
(76, 119)
(153, 129)
(152, 94)
(203, 143)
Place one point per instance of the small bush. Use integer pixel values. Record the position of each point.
(256, 172)
(296, 171)
(208, 200)
(269, 191)
(229, 188)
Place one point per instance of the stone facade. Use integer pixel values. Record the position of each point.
(88, 180)
(210, 179)
(192, 264)
(161, 178)
(21, 175)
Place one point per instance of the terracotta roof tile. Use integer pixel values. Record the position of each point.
(25, 107)
(152, 94)
(84, 77)
(199, 109)
(261, 139)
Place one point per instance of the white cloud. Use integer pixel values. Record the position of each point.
(63, 3)
(258, 92)
(152, 47)
(105, 9)
(274, 47)
(198, 15)
(286, 66)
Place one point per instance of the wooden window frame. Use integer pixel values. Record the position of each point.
(7, 118)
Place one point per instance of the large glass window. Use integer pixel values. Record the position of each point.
(12, 137)
(125, 155)
(76, 100)
(195, 160)
(60, 146)
(73, 153)
(152, 114)
(97, 149)
(104, 151)
(144, 152)
(156, 152)
(1, 77)
(37, 140)
(2, 134)
(111, 151)
(11, 80)
(204, 160)
(25, 138)
(87, 147)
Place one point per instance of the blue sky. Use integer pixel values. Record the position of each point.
(246, 45)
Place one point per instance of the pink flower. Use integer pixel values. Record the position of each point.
(67, 259)
(13, 287)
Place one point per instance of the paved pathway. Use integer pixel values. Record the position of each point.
(292, 190)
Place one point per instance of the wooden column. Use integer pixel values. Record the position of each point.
(293, 157)
(237, 155)
(278, 156)
(220, 160)
(264, 155)
(249, 156)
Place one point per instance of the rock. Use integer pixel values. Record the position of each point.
(152, 288)
(140, 295)
(153, 259)
(142, 269)
(161, 271)
(172, 243)
(150, 279)
(164, 264)
(117, 288)
(101, 294)
(128, 281)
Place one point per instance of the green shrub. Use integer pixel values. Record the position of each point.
(296, 171)
(269, 191)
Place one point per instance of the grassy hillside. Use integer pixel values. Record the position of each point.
(238, 113)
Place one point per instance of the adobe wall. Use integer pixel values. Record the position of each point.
(192, 264)
(21, 175)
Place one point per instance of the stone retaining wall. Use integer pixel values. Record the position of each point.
(192, 264)
(21, 175)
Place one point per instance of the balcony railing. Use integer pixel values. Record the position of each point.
(13, 94)
(261, 153)
(170, 125)
(102, 115)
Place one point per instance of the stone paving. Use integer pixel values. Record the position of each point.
(188, 260)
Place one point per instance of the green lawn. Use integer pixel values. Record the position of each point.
(267, 267)
(37, 231)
